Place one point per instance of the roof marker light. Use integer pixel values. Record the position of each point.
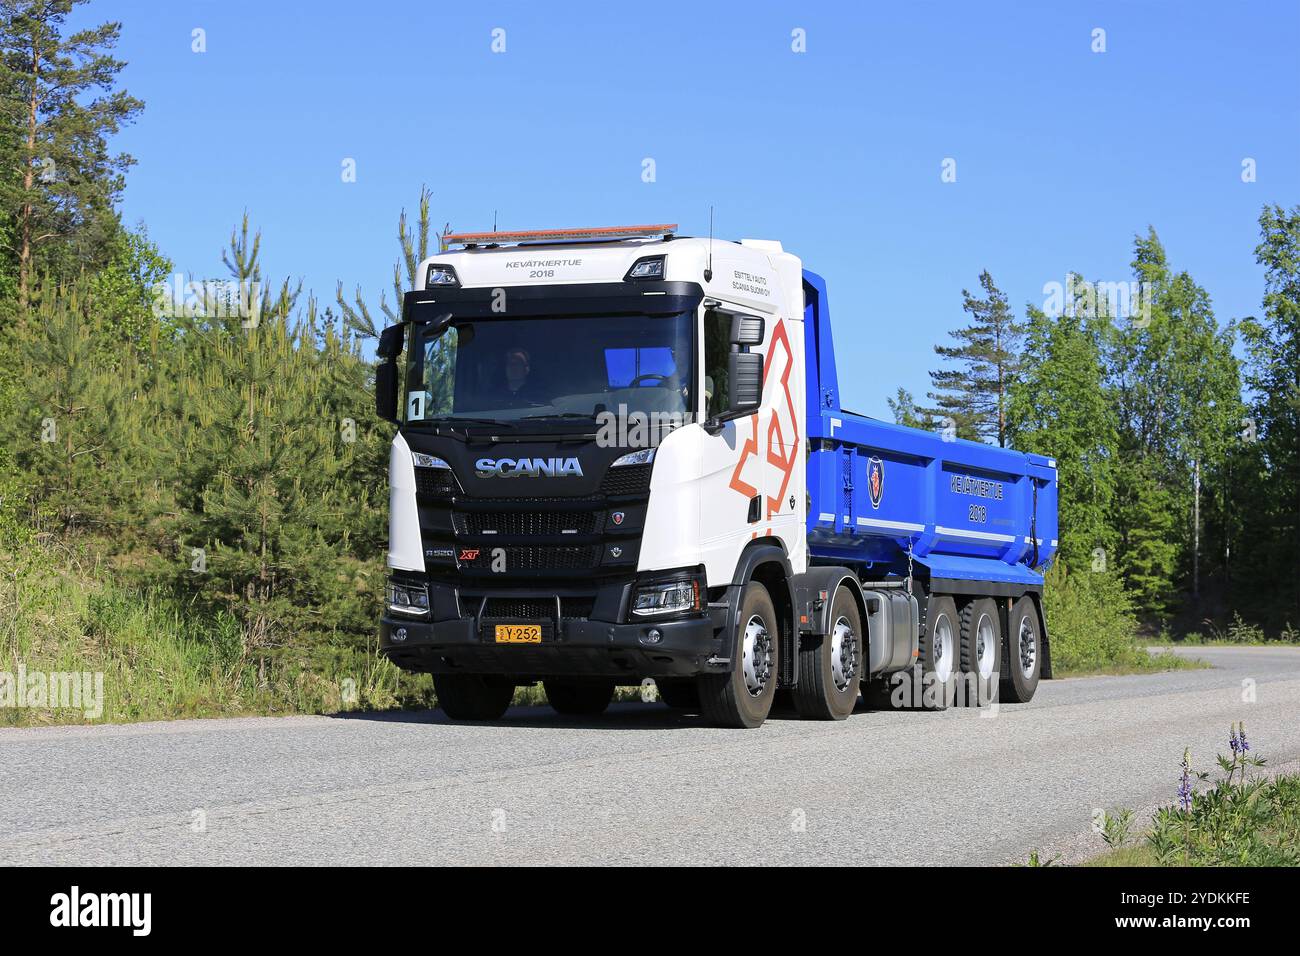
(443, 275)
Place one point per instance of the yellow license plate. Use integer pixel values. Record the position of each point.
(519, 633)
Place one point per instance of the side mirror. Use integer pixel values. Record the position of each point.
(386, 390)
(747, 330)
(744, 381)
(391, 341)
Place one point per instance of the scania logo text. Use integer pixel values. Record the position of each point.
(527, 468)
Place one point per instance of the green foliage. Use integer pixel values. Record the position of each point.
(1059, 407)
(907, 413)
(125, 293)
(1237, 632)
(1116, 826)
(1269, 490)
(61, 189)
(162, 660)
(974, 393)
(1148, 550)
(69, 418)
(1090, 622)
(1237, 822)
(229, 457)
(1177, 388)
(1136, 394)
(414, 244)
(279, 441)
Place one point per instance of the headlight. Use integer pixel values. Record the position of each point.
(667, 597)
(410, 599)
(422, 460)
(642, 457)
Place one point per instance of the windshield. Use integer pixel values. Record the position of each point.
(542, 367)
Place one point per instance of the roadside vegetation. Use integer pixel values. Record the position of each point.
(162, 659)
(1243, 818)
(1094, 628)
(1237, 633)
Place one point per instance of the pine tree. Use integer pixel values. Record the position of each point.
(1148, 546)
(974, 395)
(903, 406)
(415, 249)
(80, 409)
(68, 180)
(275, 428)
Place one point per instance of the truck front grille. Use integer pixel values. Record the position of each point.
(536, 559)
(529, 609)
(527, 522)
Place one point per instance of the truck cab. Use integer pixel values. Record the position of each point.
(600, 475)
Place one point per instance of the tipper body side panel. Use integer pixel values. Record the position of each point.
(882, 494)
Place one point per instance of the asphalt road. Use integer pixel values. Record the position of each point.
(639, 786)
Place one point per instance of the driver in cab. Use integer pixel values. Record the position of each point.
(518, 388)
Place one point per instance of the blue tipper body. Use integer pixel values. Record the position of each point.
(883, 494)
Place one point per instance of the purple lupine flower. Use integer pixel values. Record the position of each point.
(1233, 742)
(1244, 745)
(1185, 785)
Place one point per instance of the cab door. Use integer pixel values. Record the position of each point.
(733, 485)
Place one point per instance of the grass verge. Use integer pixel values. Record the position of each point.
(162, 661)
(1162, 661)
(1243, 818)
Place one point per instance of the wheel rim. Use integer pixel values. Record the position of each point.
(756, 656)
(942, 644)
(1028, 648)
(985, 646)
(844, 654)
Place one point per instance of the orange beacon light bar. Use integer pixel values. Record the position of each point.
(560, 235)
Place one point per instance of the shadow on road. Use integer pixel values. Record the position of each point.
(621, 716)
(627, 715)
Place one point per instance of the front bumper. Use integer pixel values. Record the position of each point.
(576, 648)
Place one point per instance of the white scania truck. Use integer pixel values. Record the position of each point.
(620, 454)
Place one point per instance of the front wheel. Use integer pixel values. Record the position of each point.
(473, 696)
(743, 697)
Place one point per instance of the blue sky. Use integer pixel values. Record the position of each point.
(1062, 154)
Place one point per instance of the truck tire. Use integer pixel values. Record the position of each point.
(679, 693)
(579, 698)
(830, 665)
(473, 696)
(981, 651)
(1024, 653)
(743, 697)
(938, 655)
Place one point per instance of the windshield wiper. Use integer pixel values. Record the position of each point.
(585, 417)
(459, 428)
(458, 420)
